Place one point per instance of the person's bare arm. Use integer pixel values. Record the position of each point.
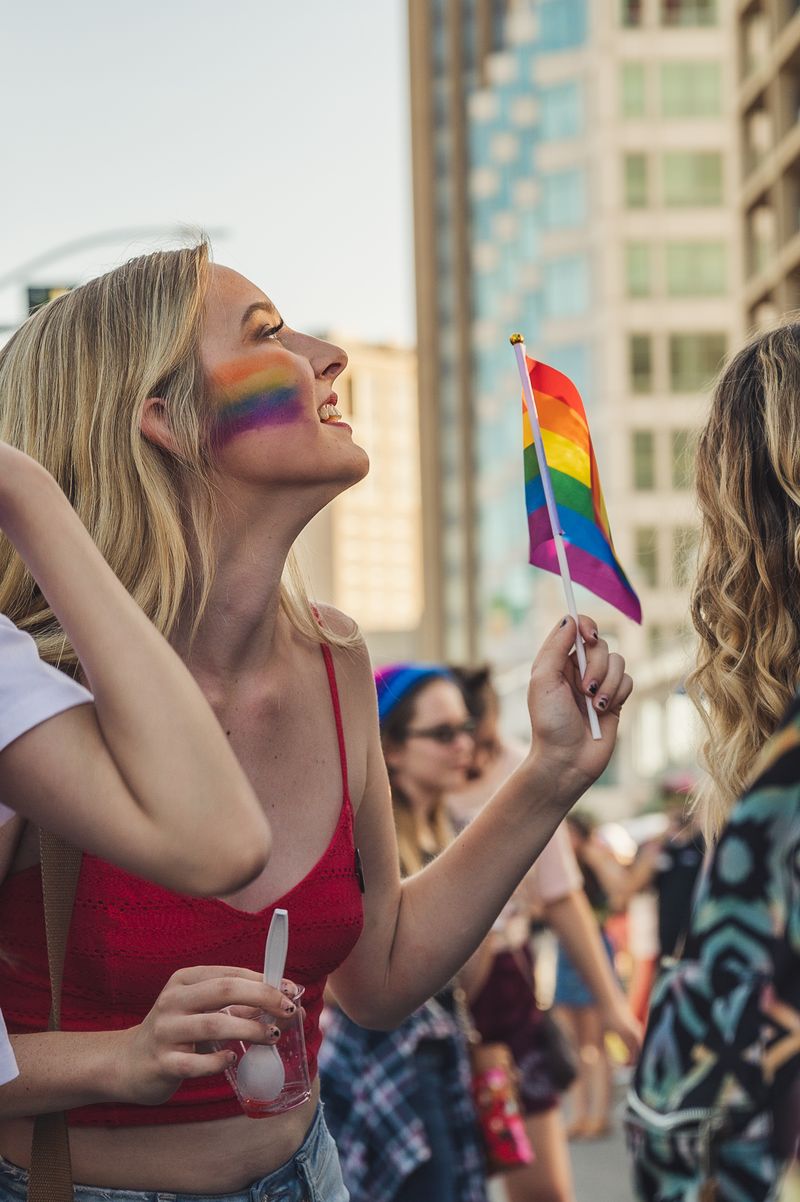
(144, 777)
(418, 934)
(641, 873)
(572, 920)
(475, 973)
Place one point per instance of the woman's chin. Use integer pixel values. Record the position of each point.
(354, 466)
(457, 779)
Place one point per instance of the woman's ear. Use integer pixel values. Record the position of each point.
(155, 427)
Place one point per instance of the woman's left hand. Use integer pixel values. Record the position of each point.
(557, 699)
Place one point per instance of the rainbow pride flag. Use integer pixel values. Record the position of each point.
(576, 487)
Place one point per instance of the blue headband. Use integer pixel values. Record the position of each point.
(395, 681)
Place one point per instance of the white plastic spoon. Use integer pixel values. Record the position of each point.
(261, 1074)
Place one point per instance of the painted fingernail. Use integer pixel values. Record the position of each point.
(593, 687)
(273, 1033)
(563, 623)
(595, 635)
(288, 1007)
(231, 1057)
(601, 703)
(288, 987)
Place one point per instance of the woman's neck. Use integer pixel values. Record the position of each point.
(241, 624)
(424, 802)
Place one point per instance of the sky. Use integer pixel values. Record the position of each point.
(280, 127)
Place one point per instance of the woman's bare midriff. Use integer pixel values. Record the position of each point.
(197, 1158)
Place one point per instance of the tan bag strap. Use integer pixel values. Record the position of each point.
(51, 1168)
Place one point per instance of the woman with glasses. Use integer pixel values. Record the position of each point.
(398, 1103)
(505, 1010)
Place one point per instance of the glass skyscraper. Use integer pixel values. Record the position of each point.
(576, 183)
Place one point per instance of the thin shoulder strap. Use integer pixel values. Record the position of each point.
(337, 713)
(51, 1167)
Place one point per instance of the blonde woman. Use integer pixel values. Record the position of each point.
(745, 600)
(721, 1049)
(196, 434)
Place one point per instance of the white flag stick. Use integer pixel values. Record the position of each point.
(518, 343)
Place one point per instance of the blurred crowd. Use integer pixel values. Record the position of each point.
(554, 1000)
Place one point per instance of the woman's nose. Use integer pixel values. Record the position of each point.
(326, 358)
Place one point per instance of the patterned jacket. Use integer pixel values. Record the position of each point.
(712, 1106)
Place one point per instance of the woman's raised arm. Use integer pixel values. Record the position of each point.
(418, 933)
(145, 776)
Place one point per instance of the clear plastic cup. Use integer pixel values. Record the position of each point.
(291, 1047)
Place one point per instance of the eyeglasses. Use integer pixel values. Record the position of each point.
(445, 733)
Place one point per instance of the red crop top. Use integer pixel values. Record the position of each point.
(128, 937)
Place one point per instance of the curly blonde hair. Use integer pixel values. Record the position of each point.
(74, 380)
(745, 601)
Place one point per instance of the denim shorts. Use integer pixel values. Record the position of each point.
(312, 1175)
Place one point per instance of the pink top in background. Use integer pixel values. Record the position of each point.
(556, 872)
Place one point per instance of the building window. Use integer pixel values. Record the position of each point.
(562, 23)
(637, 269)
(633, 90)
(643, 452)
(688, 12)
(696, 269)
(564, 198)
(691, 90)
(631, 13)
(761, 237)
(561, 111)
(692, 177)
(636, 191)
(684, 550)
(640, 361)
(566, 286)
(694, 360)
(646, 552)
(756, 39)
(683, 442)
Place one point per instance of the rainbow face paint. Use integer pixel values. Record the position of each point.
(251, 394)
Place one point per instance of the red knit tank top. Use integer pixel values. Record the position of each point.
(128, 936)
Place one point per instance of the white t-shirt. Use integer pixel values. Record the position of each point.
(31, 691)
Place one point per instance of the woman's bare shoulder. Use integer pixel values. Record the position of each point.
(337, 622)
(353, 663)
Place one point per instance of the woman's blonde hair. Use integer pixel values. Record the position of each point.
(746, 597)
(73, 383)
(412, 854)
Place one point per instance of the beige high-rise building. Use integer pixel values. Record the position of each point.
(768, 61)
(449, 42)
(599, 160)
(364, 552)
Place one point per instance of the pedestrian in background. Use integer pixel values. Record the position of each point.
(505, 1008)
(399, 1103)
(576, 1001)
(669, 866)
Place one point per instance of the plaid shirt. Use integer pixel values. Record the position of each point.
(368, 1083)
